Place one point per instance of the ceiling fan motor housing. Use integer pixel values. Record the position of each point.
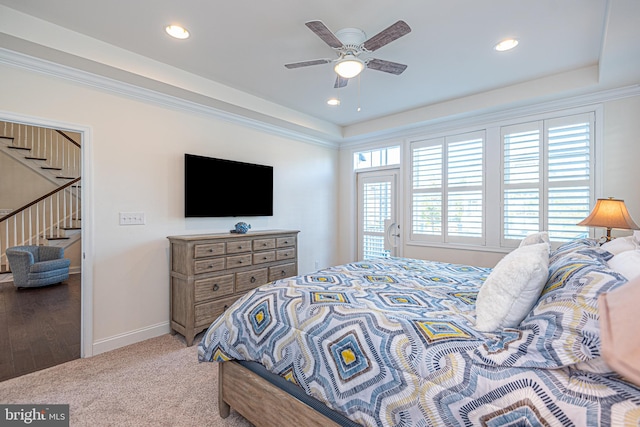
(352, 40)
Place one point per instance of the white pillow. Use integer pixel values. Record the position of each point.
(626, 263)
(535, 238)
(621, 244)
(512, 288)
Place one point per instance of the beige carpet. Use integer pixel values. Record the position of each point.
(155, 382)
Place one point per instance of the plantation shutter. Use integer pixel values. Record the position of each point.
(465, 190)
(547, 178)
(522, 152)
(427, 191)
(376, 207)
(569, 175)
(447, 190)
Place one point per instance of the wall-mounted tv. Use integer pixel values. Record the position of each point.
(225, 188)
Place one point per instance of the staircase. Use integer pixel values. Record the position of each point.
(52, 218)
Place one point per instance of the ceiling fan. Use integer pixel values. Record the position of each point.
(352, 43)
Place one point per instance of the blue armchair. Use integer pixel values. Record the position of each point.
(34, 266)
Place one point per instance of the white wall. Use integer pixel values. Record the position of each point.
(622, 154)
(620, 179)
(136, 164)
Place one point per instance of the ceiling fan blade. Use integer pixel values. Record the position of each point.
(307, 63)
(387, 35)
(340, 82)
(386, 66)
(324, 33)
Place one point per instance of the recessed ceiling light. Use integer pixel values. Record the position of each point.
(507, 44)
(333, 102)
(177, 31)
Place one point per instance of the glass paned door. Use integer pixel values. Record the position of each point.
(378, 228)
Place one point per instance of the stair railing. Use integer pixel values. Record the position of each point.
(43, 219)
(53, 147)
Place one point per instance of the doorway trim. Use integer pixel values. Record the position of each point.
(86, 233)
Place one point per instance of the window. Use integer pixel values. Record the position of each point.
(448, 189)
(493, 187)
(376, 158)
(547, 181)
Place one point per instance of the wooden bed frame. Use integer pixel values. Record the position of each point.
(261, 402)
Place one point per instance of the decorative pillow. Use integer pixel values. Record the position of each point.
(626, 263)
(512, 288)
(572, 247)
(621, 244)
(535, 238)
(619, 324)
(562, 328)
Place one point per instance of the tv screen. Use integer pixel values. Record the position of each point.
(223, 188)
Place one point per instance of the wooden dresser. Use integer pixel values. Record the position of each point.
(210, 271)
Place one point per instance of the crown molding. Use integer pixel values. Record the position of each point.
(506, 112)
(168, 96)
(158, 93)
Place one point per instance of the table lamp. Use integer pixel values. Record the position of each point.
(610, 213)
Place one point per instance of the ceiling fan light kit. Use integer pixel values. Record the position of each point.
(349, 66)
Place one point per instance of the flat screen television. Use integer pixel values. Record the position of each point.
(225, 188)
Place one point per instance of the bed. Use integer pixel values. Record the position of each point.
(399, 342)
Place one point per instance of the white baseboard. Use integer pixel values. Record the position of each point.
(132, 337)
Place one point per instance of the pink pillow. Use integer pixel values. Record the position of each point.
(619, 325)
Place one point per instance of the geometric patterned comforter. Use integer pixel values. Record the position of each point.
(392, 343)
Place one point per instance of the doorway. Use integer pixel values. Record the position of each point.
(378, 214)
(78, 290)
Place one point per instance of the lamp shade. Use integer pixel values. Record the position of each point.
(610, 213)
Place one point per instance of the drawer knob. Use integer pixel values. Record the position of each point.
(264, 257)
(216, 287)
(210, 249)
(239, 261)
(225, 307)
(253, 279)
(210, 266)
(282, 273)
(286, 241)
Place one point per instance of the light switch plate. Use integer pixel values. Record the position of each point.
(132, 218)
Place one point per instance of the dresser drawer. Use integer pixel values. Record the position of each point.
(283, 254)
(238, 261)
(263, 257)
(207, 312)
(208, 249)
(283, 242)
(238, 246)
(262, 244)
(213, 287)
(208, 265)
(282, 271)
(248, 280)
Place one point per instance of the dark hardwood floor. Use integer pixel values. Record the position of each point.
(39, 327)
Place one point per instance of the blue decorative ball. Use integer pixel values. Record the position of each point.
(242, 227)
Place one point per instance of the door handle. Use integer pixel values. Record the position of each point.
(391, 234)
